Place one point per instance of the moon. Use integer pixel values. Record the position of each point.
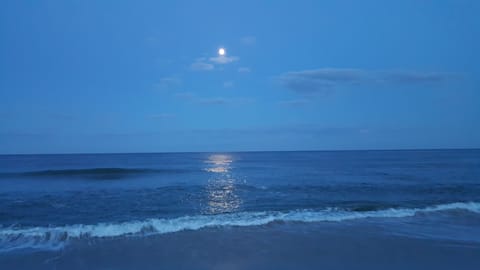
(221, 52)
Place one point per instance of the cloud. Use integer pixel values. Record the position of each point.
(201, 66)
(166, 83)
(191, 97)
(244, 69)
(224, 101)
(204, 64)
(324, 79)
(294, 103)
(417, 77)
(248, 40)
(213, 101)
(313, 81)
(223, 59)
(309, 130)
(228, 84)
(185, 95)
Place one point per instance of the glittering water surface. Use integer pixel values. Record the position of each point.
(48, 200)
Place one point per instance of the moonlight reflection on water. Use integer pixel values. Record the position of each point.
(221, 188)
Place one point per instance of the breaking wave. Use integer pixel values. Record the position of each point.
(52, 238)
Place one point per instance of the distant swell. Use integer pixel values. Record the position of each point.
(57, 237)
(100, 173)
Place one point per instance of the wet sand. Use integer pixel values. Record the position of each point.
(275, 246)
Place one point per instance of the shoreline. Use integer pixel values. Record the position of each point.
(275, 246)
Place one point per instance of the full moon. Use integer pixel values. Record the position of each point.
(221, 51)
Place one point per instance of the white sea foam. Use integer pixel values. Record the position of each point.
(56, 237)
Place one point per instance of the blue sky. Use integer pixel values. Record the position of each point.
(145, 76)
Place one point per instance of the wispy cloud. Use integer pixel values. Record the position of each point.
(311, 130)
(243, 69)
(185, 95)
(294, 103)
(223, 59)
(208, 64)
(321, 80)
(167, 83)
(416, 77)
(201, 64)
(248, 40)
(224, 101)
(228, 84)
(213, 101)
(191, 97)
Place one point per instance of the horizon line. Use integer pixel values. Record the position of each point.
(241, 151)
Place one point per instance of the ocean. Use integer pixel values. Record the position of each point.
(415, 209)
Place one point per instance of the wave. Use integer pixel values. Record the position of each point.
(56, 237)
(99, 173)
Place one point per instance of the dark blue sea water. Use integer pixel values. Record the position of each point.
(52, 202)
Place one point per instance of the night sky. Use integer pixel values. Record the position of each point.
(146, 76)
